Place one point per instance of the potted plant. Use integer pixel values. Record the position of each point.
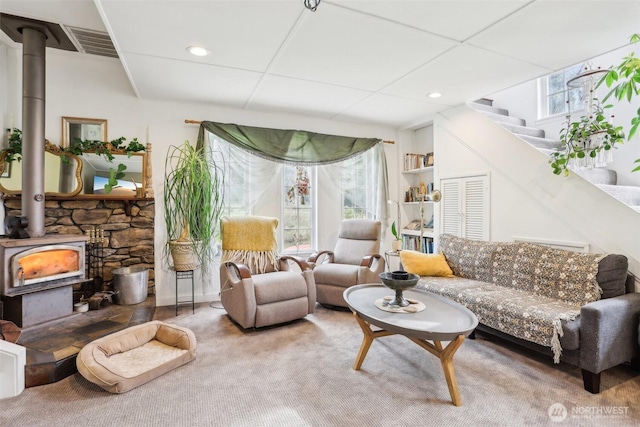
(192, 205)
(396, 244)
(587, 141)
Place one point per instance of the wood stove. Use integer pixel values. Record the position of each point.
(37, 275)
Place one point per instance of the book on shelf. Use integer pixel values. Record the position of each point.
(415, 224)
(417, 161)
(412, 243)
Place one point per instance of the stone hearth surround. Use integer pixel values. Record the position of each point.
(128, 238)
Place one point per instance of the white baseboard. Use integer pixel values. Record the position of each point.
(556, 244)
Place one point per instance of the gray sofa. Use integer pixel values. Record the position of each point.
(574, 306)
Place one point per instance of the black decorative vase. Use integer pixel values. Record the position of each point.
(399, 281)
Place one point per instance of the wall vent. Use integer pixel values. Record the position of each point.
(92, 42)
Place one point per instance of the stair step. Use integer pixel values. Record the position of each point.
(538, 142)
(499, 118)
(488, 108)
(524, 130)
(627, 194)
(484, 101)
(598, 176)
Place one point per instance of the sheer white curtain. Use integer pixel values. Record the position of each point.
(377, 185)
(248, 178)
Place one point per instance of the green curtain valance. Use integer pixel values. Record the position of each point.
(290, 146)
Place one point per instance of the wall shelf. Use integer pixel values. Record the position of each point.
(427, 232)
(418, 171)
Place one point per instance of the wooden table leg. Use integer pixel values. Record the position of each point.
(446, 359)
(369, 336)
(445, 354)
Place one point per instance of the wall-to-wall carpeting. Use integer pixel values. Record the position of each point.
(300, 374)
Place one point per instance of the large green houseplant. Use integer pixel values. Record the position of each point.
(192, 205)
(623, 81)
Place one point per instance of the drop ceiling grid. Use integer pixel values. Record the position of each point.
(458, 19)
(293, 95)
(458, 72)
(389, 110)
(534, 36)
(342, 47)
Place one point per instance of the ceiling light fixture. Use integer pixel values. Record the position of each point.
(434, 95)
(312, 5)
(197, 51)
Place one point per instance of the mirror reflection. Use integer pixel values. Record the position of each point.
(86, 174)
(61, 173)
(84, 129)
(95, 172)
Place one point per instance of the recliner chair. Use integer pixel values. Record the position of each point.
(257, 287)
(354, 260)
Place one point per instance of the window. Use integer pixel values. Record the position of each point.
(354, 187)
(554, 93)
(298, 209)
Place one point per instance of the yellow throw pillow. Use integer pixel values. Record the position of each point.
(425, 264)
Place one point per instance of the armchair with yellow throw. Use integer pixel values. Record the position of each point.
(354, 260)
(257, 286)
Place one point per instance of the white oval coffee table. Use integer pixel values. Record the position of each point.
(442, 320)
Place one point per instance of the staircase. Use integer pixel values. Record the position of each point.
(603, 178)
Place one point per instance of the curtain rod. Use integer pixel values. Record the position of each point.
(197, 122)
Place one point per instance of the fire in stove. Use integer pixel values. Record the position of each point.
(46, 263)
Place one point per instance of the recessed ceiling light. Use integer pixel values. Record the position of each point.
(434, 95)
(197, 51)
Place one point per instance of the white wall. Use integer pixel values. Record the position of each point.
(526, 199)
(96, 87)
(521, 101)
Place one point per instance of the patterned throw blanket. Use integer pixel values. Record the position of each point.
(522, 289)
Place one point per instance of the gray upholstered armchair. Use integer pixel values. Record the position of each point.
(354, 260)
(257, 287)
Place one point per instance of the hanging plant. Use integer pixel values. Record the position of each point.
(586, 142)
(301, 186)
(624, 82)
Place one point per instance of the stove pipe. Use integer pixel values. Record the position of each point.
(33, 123)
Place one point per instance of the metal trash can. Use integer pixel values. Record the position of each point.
(130, 285)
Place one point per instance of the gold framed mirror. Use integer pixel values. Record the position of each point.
(62, 173)
(83, 128)
(95, 173)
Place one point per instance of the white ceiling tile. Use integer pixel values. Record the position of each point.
(458, 19)
(464, 74)
(390, 111)
(557, 34)
(306, 97)
(180, 81)
(238, 34)
(341, 47)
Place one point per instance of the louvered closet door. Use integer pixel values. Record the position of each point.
(451, 205)
(465, 207)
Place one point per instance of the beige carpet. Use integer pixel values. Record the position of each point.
(301, 374)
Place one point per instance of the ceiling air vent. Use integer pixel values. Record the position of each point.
(92, 42)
